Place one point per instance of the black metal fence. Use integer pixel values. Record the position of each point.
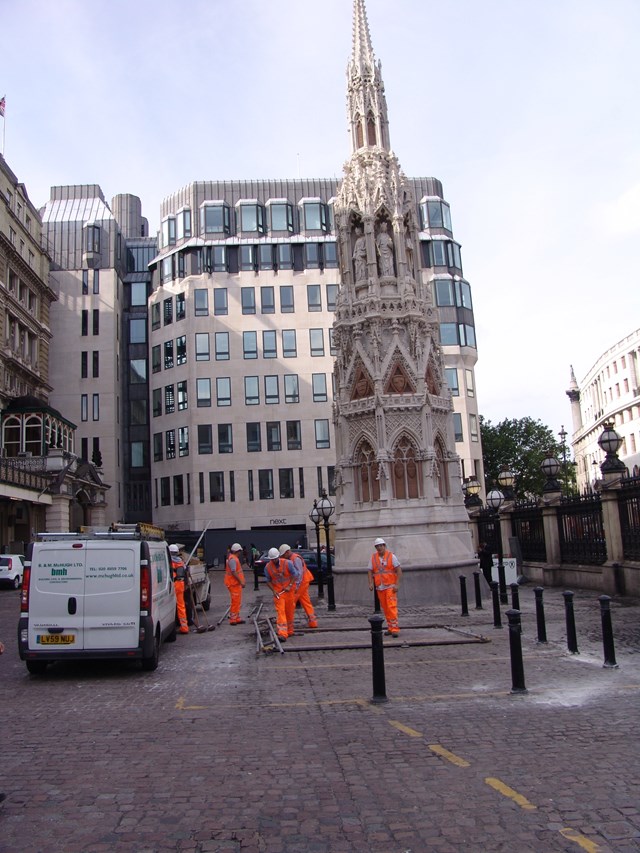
(629, 510)
(528, 527)
(581, 530)
(489, 529)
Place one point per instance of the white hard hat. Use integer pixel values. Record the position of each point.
(236, 547)
(379, 541)
(273, 554)
(174, 549)
(283, 549)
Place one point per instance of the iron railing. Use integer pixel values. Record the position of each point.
(629, 510)
(528, 527)
(581, 531)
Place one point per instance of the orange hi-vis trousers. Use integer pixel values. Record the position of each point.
(235, 594)
(389, 602)
(285, 604)
(302, 596)
(180, 606)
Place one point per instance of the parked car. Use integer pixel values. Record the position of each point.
(12, 569)
(310, 558)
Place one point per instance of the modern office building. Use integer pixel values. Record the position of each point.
(609, 393)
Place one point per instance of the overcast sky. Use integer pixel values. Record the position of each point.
(526, 111)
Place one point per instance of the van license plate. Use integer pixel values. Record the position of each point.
(55, 639)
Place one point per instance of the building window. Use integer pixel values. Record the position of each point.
(169, 232)
(267, 300)
(449, 334)
(330, 256)
(452, 381)
(453, 255)
(225, 438)
(274, 438)
(137, 371)
(85, 282)
(178, 490)
(294, 435)
(137, 331)
(319, 385)
(271, 389)
(463, 295)
(169, 400)
(473, 427)
(269, 345)
(222, 346)
(467, 335)
(205, 439)
(165, 494)
(183, 441)
(214, 219)
(92, 239)
(315, 216)
(220, 306)
(156, 359)
(250, 345)
(84, 323)
(332, 293)
(314, 297)
(157, 402)
(96, 322)
(96, 407)
(285, 476)
(184, 223)
(254, 437)
(166, 268)
(223, 391)
(251, 391)
(202, 346)
(443, 291)
(203, 392)
(435, 214)
(170, 444)
(248, 299)
(312, 256)
(322, 434)
(252, 218)
(281, 215)
(216, 486)
(168, 355)
(286, 299)
(84, 407)
(291, 388)
(289, 346)
(471, 389)
(316, 342)
(250, 485)
(457, 426)
(284, 256)
(155, 316)
(201, 302)
(84, 365)
(158, 454)
(265, 484)
(265, 256)
(138, 412)
(181, 349)
(167, 311)
(247, 258)
(183, 401)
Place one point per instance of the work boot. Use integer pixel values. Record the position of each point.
(282, 638)
(312, 625)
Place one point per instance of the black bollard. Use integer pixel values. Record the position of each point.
(495, 595)
(542, 628)
(377, 660)
(504, 599)
(607, 633)
(515, 648)
(572, 640)
(463, 596)
(515, 596)
(376, 601)
(476, 586)
(256, 579)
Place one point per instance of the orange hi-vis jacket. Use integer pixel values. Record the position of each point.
(384, 572)
(231, 577)
(279, 575)
(307, 576)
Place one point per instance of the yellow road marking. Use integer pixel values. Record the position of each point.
(450, 756)
(581, 840)
(405, 729)
(506, 791)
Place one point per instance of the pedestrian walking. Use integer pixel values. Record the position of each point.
(281, 577)
(385, 573)
(234, 582)
(486, 561)
(179, 575)
(301, 588)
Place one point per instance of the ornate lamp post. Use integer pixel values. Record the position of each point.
(326, 508)
(507, 480)
(550, 468)
(314, 515)
(610, 442)
(495, 499)
(471, 488)
(563, 439)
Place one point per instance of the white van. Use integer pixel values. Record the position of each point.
(96, 595)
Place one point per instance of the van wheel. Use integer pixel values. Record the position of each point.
(206, 604)
(17, 581)
(151, 663)
(36, 667)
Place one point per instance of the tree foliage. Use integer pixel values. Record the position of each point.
(521, 445)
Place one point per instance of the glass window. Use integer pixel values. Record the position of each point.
(251, 391)
(434, 210)
(183, 441)
(319, 384)
(84, 323)
(312, 255)
(267, 300)
(457, 426)
(265, 484)
(220, 306)
(443, 291)
(250, 345)
(315, 216)
(84, 407)
(183, 400)
(95, 364)
(138, 293)
(332, 293)
(214, 219)
(274, 439)
(201, 302)
(169, 399)
(316, 342)
(281, 217)
(137, 371)
(225, 438)
(438, 253)
(265, 256)
(222, 346)
(285, 256)
(165, 494)
(254, 439)
(446, 216)
(170, 444)
(181, 350)
(248, 297)
(286, 299)
(96, 407)
(330, 255)
(169, 232)
(167, 268)
(289, 347)
(205, 439)
(247, 257)
(463, 295)
(332, 347)
(181, 309)
(138, 412)
(137, 454)
(322, 433)
(216, 486)
(223, 391)
(92, 239)
(453, 255)
(291, 388)
(452, 381)
(96, 281)
(252, 218)
(157, 402)
(448, 334)
(250, 484)
(168, 311)
(471, 387)
(467, 335)
(473, 427)
(85, 282)
(168, 355)
(314, 298)
(202, 346)
(158, 450)
(269, 345)
(155, 315)
(141, 330)
(203, 392)
(285, 476)
(178, 490)
(271, 389)
(294, 435)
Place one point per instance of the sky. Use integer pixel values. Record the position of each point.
(526, 111)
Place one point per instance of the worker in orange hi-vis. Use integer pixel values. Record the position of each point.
(234, 582)
(301, 587)
(179, 574)
(281, 579)
(385, 572)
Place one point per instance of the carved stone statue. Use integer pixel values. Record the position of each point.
(360, 256)
(384, 244)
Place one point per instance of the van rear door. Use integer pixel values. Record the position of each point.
(112, 595)
(56, 596)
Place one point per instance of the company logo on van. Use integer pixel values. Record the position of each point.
(58, 572)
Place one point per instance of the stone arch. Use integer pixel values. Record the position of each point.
(440, 470)
(407, 469)
(432, 380)
(367, 473)
(359, 133)
(371, 129)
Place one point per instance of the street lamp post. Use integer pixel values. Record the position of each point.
(314, 515)
(471, 488)
(550, 468)
(507, 480)
(563, 438)
(610, 442)
(326, 508)
(495, 499)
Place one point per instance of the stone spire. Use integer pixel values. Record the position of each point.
(397, 469)
(573, 393)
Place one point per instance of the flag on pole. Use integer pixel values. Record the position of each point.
(2, 106)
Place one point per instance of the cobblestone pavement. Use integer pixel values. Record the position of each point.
(221, 749)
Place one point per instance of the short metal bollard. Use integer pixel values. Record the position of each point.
(607, 633)
(542, 628)
(515, 596)
(476, 587)
(495, 596)
(572, 640)
(463, 596)
(376, 601)
(502, 580)
(515, 649)
(377, 660)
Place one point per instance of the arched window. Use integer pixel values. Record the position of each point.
(367, 482)
(33, 435)
(406, 471)
(371, 130)
(359, 134)
(441, 479)
(11, 435)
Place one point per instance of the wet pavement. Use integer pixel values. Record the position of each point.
(224, 749)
